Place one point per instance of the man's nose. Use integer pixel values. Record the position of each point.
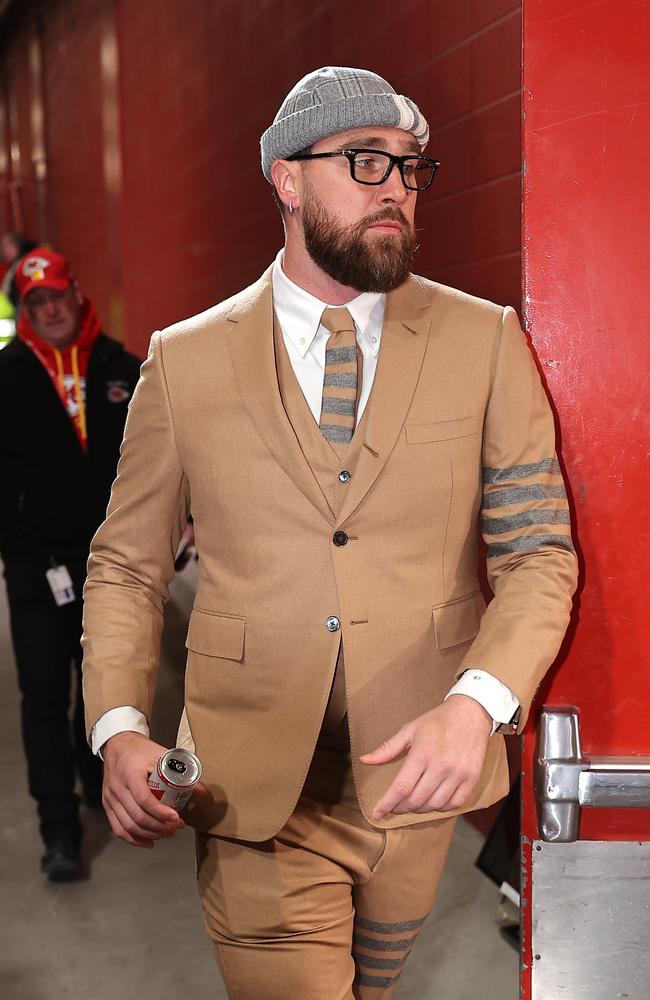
(392, 191)
(51, 307)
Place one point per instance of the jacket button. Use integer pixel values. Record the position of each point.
(332, 624)
(344, 477)
(340, 538)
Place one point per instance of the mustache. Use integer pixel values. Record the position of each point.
(385, 215)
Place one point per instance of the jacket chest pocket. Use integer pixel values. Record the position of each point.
(442, 430)
(218, 635)
(453, 445)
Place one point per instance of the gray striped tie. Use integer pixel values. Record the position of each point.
(341, 382)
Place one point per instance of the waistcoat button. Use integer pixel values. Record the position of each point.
(332, 624)
(340, 538)
(344, 477)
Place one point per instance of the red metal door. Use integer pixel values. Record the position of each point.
(586, 136)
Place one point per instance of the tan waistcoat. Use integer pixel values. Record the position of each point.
(327, 460)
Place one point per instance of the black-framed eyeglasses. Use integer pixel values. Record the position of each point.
(373, 166)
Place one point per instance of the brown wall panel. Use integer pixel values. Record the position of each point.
(20, 199)
(492, 136)
(81, 223)
(475, 224)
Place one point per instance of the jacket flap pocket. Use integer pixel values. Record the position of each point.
(441, 430)
(458, 621)
(216, 635)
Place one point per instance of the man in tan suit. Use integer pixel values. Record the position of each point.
(337, 430)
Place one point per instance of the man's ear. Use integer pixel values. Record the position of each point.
(285, 174)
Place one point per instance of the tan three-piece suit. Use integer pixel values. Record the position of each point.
(457, 429)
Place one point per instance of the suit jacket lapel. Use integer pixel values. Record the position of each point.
(404, 339)
(250, 340)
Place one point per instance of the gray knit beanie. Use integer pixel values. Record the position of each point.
(334, 99)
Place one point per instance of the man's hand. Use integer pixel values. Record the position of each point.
(135, 814)
(446, 749)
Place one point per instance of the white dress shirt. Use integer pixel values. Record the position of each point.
(299, 314)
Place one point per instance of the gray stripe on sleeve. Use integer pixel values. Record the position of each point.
(550, 465)
(536, 515)
(529, 543)
(523, 494)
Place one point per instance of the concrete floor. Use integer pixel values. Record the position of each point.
(132, 931)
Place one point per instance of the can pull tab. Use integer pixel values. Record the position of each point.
(179, 766)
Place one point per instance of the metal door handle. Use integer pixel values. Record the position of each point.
(565, 780)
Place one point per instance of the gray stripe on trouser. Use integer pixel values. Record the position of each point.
(346, 380)
(372, 945)
(379, 982)
(521, 471)
(523, 494)
(399, 928)
(371, 962)
(529, 543)
(343, 407)
(333, 432)
(340, 356)
(537, 515)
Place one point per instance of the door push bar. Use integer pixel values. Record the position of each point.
(565, 780)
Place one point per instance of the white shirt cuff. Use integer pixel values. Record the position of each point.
(497, 699)
(117, 720)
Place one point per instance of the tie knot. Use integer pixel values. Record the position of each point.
(338, 321)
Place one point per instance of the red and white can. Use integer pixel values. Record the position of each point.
(175, 778)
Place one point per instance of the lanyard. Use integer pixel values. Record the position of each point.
(60, 385)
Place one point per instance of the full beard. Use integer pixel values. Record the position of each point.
(353, 258)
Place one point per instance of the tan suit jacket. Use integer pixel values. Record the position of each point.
(457, 421)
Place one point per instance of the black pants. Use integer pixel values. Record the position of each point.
(46, 640)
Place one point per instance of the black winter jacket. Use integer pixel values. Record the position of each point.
(53, 495)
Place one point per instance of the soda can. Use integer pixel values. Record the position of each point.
(176, 775)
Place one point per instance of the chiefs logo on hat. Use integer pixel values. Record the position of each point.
(34, 268)
(42, 268)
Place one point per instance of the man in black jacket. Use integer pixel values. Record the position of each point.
(64, 392)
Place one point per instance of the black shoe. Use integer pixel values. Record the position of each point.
(61, 861)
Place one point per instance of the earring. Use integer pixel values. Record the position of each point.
(290, 208)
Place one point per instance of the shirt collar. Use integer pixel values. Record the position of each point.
(299, 311)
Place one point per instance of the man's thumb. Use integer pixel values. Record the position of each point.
(389, 749)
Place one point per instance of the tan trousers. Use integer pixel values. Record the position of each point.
(330, 908)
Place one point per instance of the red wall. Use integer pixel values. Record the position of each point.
(16, 155)
(152, 119)
(55, 92)
(587, 245)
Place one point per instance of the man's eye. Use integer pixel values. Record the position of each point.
(367, 162)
